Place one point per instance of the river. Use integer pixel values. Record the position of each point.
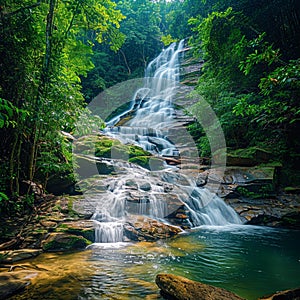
(248, 260)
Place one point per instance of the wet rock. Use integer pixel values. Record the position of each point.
(91, 166)
(168, 188)
(132, 184)
(145, 187)
(175, 178)
(13, 283)
(141, 228)
(284, 295)
(290, 220)
(179, 217)
(172, 161)
(64, 242)
(252, 182)
(12, 256)
(84, 206)
(83, 228)
(137, 198)
(280, 211)
(181, 288)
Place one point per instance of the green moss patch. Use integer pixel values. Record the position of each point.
(105, 147)
(64, 242)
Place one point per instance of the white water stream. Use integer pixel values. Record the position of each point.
(154, 114)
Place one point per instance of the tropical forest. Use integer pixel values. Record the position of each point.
(150, 149)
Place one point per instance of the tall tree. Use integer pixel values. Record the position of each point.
(44, 48)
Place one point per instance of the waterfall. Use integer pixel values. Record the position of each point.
(153, 105)
(153, 115)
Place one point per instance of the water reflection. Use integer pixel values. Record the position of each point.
(250, 261)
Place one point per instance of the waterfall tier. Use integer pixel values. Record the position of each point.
(166, 195)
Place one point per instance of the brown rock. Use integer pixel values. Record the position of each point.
(284, 295)
(181, 216)
(11, 256)
(141, 228)
(181, 288)
(48, 224)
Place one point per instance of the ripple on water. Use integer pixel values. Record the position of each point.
(250, 261)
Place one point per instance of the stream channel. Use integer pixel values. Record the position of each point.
(218, 249)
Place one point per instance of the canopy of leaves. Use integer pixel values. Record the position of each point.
(45, 47)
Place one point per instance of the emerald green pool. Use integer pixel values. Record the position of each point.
(248, 260)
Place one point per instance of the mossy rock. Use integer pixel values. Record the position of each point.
(64, 242)
(292, 190)
(148, 162)
(256, 190)
(106, 147)
(83, 228)
(291, 220)
(248, 157)
(135, 151)
(142, 161)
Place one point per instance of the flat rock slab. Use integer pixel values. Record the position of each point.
(181, 288)
(142, 228)
(11, 256)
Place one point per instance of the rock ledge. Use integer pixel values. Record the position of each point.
(181, 288)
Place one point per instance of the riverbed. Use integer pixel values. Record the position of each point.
(251, 261)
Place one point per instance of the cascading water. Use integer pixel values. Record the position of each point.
(153, 115)
(153, 105)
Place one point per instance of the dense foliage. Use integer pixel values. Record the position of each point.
(44, 48)
(56, 55)
(251, 76)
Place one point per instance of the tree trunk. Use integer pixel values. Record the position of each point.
(126, 63)
(41, 90)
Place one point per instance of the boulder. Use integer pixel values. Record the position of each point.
(64, 242)
(142, 228)
(248, 157)
(252, 182)
(280, 211)
(284, 295)
(83, 228)
(290, 220)
(181, 288)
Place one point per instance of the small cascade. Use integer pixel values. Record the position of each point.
(108, 232)
(207, 208)
(161, 195)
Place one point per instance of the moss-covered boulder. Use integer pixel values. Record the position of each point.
(82, 228)
(101, 146)
(248, 157)
(64, 242)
